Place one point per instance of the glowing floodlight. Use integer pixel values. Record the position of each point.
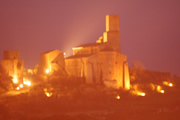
(170, 84)
(26, 82)
(141, 94)
(17, 88)
(162, 91)
(15, 80)
(48, 94)
(47, 71)
(21, 85)
(159, 89)
(118, 97)
(138, 93)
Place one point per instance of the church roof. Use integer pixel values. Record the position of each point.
(50, 51)
(78, 56)
(89, 45)
(108, 48)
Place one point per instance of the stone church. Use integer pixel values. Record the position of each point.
(101, 62)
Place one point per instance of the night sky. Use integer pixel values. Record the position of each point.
(150, 29)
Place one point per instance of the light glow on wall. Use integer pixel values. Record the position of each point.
(17, 88)
(78, 48)
(47, 71)
(21, 85)
(168, 84)
(159, 89)
(138, 93)
(48, 94)
(141, 93)
(26, 82)
(15, 80)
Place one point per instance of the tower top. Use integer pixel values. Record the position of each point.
(112, 23)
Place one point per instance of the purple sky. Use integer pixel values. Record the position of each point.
(150, 29)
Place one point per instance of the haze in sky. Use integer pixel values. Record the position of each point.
(150, 29)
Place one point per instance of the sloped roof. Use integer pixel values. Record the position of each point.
(50, 51)
(108, 48)
(78, 56)
(89, 45)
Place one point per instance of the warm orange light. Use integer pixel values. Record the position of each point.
(118, 97)
(152, 86)
(17, 88)
(47, 71)
(21, 85)
(15, 80)
(165, 83)
(26, 82)
(138, 93)
(162, 91)
(141, 93)
(170, 84)
(159, 89)
(45, 89)
(77, 48)
(48, 94)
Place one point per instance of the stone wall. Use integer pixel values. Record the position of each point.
(13, 65)
(52, 60)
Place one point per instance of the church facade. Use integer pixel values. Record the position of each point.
(101, 62)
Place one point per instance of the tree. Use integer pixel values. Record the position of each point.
(137, 72)
(138, 65)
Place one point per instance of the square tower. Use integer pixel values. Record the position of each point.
(112, 34)
(112, 23)
(11, 54)
(13, 65)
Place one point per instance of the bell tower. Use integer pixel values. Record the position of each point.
(112, 34)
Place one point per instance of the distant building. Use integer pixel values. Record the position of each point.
(101, 62)
(51, 61)
(13, 65)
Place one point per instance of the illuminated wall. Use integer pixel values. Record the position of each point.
(126, 76)
(101, 62)
(112, 34)
(76, 66)
(107, 67)
(87, 49)
(103, 67)
(13, 65)
(51, 60)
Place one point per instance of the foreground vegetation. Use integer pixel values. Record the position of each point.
(70, 99)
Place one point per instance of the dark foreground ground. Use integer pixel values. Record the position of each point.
(91, 103)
